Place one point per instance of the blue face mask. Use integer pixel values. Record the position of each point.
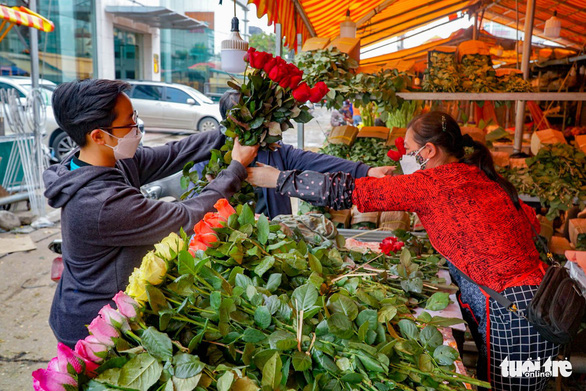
(412, 162)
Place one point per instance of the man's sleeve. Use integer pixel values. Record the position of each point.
(131, 219)
(298, 159)
(159, 162)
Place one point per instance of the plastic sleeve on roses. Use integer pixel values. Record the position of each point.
(329, 189)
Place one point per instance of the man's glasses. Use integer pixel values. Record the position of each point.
(135, 125)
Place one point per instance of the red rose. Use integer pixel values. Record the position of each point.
(270, 64)
(400, 144)
(394, 155)
(301, 93)
(295, 80)
(285, 81)
(248, 53)
(318, 92)
(391, 244)
(259, 59)
(278, 73)
(225, 210)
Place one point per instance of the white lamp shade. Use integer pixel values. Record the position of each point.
(553, 27)
(233, 60)
(348, 27)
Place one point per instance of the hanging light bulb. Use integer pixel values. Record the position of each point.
(348, 27)
(233, 49)
(553, 26)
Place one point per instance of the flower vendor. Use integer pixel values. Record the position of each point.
(473, 217)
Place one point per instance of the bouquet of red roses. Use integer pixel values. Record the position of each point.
(271, 96)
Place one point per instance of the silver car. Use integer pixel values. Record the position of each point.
(175, 107)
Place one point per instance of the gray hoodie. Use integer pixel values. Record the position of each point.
(107, 224)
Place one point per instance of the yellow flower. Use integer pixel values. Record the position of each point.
(170, 246)
(137, 286)
(153, 268)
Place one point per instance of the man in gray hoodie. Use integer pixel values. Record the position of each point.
(107, 225)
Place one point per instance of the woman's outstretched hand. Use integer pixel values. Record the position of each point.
(379, 172)
(263, 175)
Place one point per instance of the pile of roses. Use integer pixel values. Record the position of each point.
(71, 367)
(287, 75)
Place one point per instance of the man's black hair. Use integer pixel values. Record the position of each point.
(81, 106)
(228, 100)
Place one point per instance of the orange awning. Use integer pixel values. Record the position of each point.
(322, 18)
(22, 16)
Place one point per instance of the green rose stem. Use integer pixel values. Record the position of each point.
(456, 377)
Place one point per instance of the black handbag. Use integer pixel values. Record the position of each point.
(558, 306)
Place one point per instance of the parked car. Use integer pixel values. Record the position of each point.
(172, 106)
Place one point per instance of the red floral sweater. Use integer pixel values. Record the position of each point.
(470, 220)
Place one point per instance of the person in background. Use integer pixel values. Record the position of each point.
(473, 217)
(107, 225)
(346, 112)
(287, 157)
(337, 119)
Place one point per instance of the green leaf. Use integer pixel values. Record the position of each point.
(225, 381)
(301, 361)
(340, 326)
(304, 297)
(264, 265)
(157, 344)
(303, 117)
(246, 216)
(186, 263)
(409, 329)
(263, 229)
(187, 365)
(157, 299)
(274, 282)
(424, 317)
(188, 384)
(252, 335)
(314, 263)
(387, 313)
(352, 378)
(445, 355)
(262, 317)
(343, 304)
(425, 363)
(431, 338)
(438, 301)
(441, 321)
(141, 372)
(215, 300)
(271, 372)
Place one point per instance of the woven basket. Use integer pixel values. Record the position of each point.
(390, 221)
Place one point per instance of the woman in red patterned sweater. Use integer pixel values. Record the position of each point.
(473, 217)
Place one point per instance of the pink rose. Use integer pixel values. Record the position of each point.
(126, 305)
(66, 356)
(47, 380)
(91, 349)
(103, 331)
(114, 318)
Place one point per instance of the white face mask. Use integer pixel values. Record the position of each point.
(127, 145)
(412, 162)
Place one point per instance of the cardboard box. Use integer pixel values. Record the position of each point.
(374, 131)
(477, 134)
(341, 217)
(500, 159)
(576, 228)
(350, 46)
(390, 221)
(547, 136)
(394, 134)
(345, 134)
(315, 43)
(581, 142)
(368, 217)
(559, 245)
(546, 227)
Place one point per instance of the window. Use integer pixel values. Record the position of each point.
(175, 95)
(8, 87)
(143, 91)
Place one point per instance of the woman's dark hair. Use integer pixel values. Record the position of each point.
(442, 130)
(228, 100)
(81, 106)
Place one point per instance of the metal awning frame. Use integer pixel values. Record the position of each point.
(158, 17)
